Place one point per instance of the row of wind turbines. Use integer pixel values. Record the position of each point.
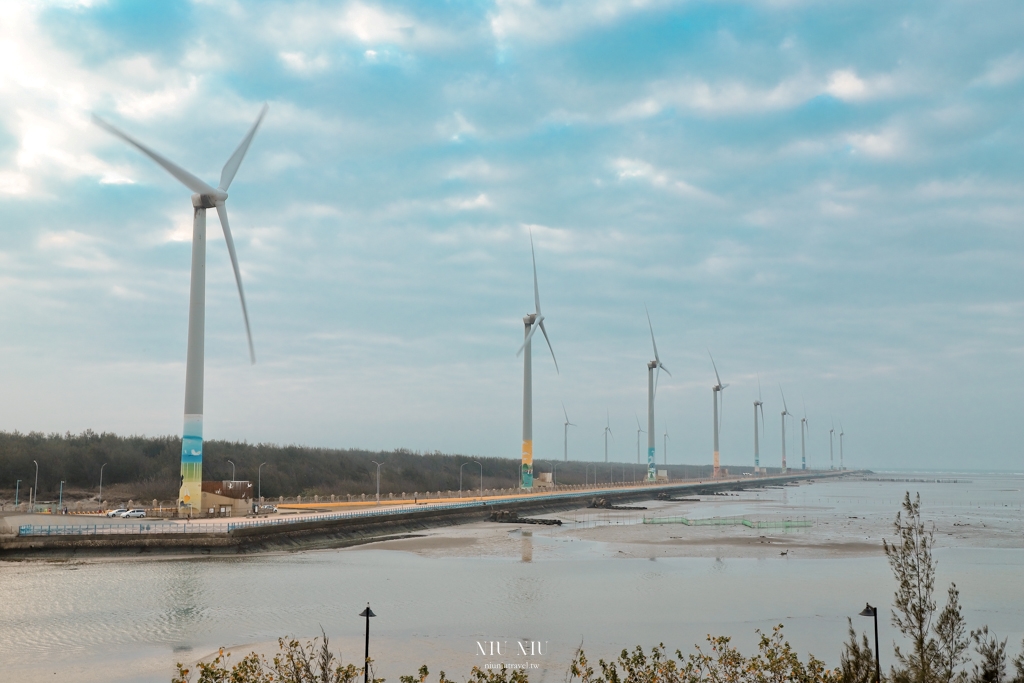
(533, 321)
(204, 197)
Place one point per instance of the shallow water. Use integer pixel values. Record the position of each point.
(131, 620)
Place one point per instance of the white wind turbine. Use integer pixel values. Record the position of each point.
(831, 457)
(841, 466)
(204, 197)
(652, 387)
(531, 321)
(717, 392)
(804, 426)
(785, 412)
(607, 431)
(639, 431)
(565, 435)
(758, 406)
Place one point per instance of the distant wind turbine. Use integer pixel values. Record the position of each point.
(652, 387)
(717, 394)
(841, 465)
(758, 406)
(531, 322)
(607, 431)
(639, 431)
(204, 197)
(831, 458)
(565, 434)
(803, 428)
(785, 412)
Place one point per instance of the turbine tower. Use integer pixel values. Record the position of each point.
(785, 412)
(803, 428)
(758, 406)
(204, 197)
(831, 458)
(565, 429)
(716, 394)
(652, 388)
(607, 431)
(531, 322)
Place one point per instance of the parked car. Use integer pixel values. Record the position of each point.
(265, 509)
(119, 512)
(137, 512)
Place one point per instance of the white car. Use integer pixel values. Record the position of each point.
(119, 512)
(137, 512)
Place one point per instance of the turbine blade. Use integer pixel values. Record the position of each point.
(529, 336)
(759, 387)
(665, 369)
(717, 378)
(222, 211)
(187, 179)
(536, 289)
(227, 174)
(545, 333)
(784, 408)
(657, 376)
(653, 343)
(566, 414)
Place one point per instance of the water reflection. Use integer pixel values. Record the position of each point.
(527, 544)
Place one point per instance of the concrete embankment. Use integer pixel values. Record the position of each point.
(341, 532)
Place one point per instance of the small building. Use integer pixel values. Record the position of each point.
(226, 499)
(543, 481)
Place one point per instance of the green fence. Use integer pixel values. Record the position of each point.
(732, 521)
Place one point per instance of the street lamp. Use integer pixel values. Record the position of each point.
(101, 482)
(60, 501)
(16, 487)
(554, 470)
(232, 470)
(35, 490)
(378, 464)
(259, 482)
(366, 657)
(460, 476)
(870, 611)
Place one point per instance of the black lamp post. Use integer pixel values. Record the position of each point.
(366, 657)
(870, 611)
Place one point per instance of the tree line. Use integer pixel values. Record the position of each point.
(144, 467)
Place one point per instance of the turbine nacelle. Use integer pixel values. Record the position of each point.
(209, 201)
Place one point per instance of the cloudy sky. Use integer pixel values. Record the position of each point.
(827, 195)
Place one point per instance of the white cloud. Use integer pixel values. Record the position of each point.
(887, 143)
(628, 169)
(302, 64)
(480, 201)
(542, 21)
(1004, 71)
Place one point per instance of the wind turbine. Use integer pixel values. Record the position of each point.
(785, 412)
(758, 406)
(652, 385)
(531, 322)
(204, 197)
(607, 431)
(565, 434)
(831, 458)
(716, 394)
(665, 447)
(639, 431)
(803, 428)
(841, 466)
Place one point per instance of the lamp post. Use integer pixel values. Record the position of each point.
(232, 470)
(460, 476)
(16, 487)
(101, 482)
(60, 501)
(554, 470)
(35, 489)
(378, 464)
(870, 611)
(366, 657)
(259, 482)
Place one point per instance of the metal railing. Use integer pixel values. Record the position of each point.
(228, 527)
